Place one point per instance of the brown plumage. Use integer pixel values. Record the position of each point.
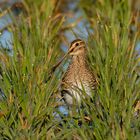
(79, 78)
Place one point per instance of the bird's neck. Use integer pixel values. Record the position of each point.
(80, 59)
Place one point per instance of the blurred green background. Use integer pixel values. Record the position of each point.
(39, 36)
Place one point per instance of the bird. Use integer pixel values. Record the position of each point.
(137, 109)
(79, 80)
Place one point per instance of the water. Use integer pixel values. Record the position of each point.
(6, 36)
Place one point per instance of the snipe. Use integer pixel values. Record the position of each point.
(78, 80)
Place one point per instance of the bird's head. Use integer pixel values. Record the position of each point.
(77, 47)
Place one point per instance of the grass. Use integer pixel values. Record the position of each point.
(27, 112)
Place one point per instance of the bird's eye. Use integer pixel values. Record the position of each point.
(77, 44)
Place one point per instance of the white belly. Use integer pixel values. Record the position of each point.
(77, 92)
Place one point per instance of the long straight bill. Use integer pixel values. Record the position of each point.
(55, 66)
